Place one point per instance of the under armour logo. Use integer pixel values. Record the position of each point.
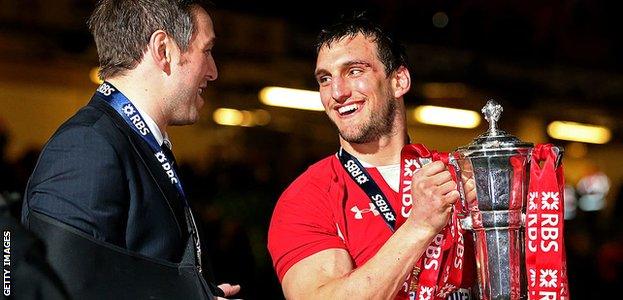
(359, 212)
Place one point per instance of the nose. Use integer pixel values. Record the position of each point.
(339, 90)
(212, 71)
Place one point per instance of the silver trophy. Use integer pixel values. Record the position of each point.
(498, 163)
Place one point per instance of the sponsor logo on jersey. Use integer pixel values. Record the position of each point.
(359, 212)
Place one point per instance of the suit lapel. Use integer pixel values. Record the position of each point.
(144, 152)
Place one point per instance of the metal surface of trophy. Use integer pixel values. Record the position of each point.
(499, 165)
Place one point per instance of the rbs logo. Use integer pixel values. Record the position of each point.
(356, 172)
(433, 252)
(105, 89)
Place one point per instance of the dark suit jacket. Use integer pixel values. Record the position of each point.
(112, 221)
(98, 176)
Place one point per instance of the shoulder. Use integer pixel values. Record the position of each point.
(319, 177)
(89, 127)
(311, 202)
(88, 118)
(86, 136)
(87, 140)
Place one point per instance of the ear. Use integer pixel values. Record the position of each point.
(401, 81)
(159, 49)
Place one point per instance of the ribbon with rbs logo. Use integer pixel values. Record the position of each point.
(545, 247)
(133, 118)
(439, 271)
(452, 270)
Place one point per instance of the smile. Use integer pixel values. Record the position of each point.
(348, 109)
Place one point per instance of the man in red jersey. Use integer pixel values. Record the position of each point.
(329, 237)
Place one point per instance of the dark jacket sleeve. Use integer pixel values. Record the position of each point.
(31, 276)
(79, 181)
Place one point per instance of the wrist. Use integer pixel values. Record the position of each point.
(420, 232)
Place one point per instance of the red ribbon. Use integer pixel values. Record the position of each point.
(545, 248)
(441, 265)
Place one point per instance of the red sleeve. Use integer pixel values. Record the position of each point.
(302, 224)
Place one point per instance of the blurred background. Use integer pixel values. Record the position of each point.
(555, 66)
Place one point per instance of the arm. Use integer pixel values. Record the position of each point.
(330, 274)
(79, 181)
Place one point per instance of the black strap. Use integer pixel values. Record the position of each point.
(360, 175)
(93, 269)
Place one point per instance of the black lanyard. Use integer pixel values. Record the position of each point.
(360, 175)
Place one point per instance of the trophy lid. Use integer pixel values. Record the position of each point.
(494, 139)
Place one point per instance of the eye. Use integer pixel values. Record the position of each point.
(323, 79)
(355, 71)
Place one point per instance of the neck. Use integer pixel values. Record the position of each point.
(384, 150)
(381, 152)
(142, 96)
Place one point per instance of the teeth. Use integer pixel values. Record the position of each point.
(348, 108)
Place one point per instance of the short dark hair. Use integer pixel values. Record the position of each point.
(390, 52)
(122, 29)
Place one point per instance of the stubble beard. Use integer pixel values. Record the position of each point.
(180, 108)
(180, 104)
(380, 124)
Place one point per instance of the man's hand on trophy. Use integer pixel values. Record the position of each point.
(434, 192)
(469, 186)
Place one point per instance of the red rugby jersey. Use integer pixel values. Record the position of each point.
(324, 208)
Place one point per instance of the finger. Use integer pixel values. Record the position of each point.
(471, 194)
(228, 289)
(466, 175)
(432, 168)
(450, 197)
(469, 184)
(441, 178)
(446, 187)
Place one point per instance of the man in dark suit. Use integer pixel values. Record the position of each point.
(105, 195)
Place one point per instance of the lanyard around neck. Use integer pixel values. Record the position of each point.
(360, 175)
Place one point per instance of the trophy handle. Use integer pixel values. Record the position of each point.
(453, 162)
(560, 151)
(424, 157)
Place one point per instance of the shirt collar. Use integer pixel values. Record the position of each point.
(367, 165)
(151, 124)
